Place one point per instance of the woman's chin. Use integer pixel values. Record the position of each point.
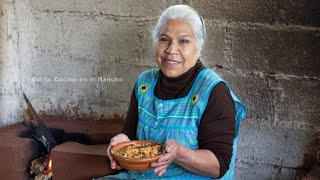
(171, 74)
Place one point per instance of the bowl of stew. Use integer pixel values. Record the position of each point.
(137, 155)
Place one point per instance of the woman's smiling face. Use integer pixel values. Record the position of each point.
(176, 50)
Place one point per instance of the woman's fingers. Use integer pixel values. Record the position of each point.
(119, 167)
(163, 163)
(109, 152)
(160, 168)
(114, 141)
(171, 150)
(113, 164)
(166, 157)
(162, 172)
(171, 147)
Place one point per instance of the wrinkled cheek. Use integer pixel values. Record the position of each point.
(158, 61)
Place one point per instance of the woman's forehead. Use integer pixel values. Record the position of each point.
(177, 27)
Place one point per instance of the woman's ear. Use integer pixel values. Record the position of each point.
(198, 53)
(155, 51)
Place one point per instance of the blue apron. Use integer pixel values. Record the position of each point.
(178, 119)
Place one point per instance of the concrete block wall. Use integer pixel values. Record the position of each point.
(269, 51)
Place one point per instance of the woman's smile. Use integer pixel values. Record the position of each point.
(171, 63)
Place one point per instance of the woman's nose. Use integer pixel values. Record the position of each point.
(172, 48)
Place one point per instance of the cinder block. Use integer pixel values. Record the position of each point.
(291, 12)
(3, 33)
(254, 171)
(297, 104)
(58, 75)
(272, 145)
(276, 51)
(214, 47)
(139, 8)
(63, 5)
(87, 36)
(75, 161)
(47, 33)
(120, 90)
(249, 11)
(9, 109)
(254, 92)
(112, 7)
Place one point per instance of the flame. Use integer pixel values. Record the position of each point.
(49, 168)
(50, 165)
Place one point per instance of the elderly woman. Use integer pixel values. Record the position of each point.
(183, 105)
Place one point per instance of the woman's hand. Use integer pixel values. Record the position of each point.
(114, 141)
(172, 148)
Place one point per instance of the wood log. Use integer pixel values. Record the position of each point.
(38, 129)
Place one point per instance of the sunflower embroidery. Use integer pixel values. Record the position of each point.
(195, 98)
(143, 88)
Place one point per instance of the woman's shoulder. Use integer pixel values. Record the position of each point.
(209, 73)
(149, 73)
(208, 77)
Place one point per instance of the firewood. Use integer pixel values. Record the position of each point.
(27, 117)
(37, 165)
(38, 129)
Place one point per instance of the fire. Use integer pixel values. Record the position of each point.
(50, 165)
(41, 168)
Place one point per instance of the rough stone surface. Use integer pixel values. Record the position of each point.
(250, 171)
(214, 48)
(276, 51)
(283, 117)
(273, 139)
(296, 103)
(125, 8)
(138, 8)
(3, 33)
(260, 11)
(253, 90)
(80, 59)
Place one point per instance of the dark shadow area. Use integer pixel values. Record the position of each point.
(312, 12)
(60, 136)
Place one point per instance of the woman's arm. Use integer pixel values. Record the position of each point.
(202, 162)
(130, 126)
(217, 126)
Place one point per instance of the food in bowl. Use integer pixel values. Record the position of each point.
(137, 155)
(141, 151)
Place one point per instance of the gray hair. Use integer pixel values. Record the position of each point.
(182, 12)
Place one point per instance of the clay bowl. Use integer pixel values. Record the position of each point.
(135, 164)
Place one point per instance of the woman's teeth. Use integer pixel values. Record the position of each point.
(172, 62)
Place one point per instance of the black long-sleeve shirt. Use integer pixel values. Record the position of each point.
(217, 125)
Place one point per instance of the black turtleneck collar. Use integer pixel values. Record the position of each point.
(173, 88)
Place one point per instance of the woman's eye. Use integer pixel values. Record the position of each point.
(185, 41)
(163, 39)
